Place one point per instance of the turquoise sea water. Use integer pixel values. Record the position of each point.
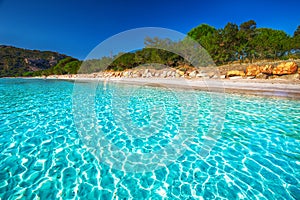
(45, 155)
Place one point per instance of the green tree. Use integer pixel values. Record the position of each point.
(201, 32)
(296, 41)
(245, 36)
(206, 36)
(297, 32)
(229, 43)
(67, 65)
(124, 61)
(270, 44)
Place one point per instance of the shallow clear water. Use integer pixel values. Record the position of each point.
(45, 155)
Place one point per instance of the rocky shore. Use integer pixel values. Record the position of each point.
(280, 80)
(284, 70)
(278, 71)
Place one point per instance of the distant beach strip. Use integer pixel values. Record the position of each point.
(276, 88)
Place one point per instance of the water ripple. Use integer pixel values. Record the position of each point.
(42, 156)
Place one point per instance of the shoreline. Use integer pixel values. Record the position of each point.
(272, 88)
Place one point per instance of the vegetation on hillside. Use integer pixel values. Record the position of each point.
(158, 53)
(67, 65)
(17, 62)
(23, 62)
(233, 43)
(246, 42)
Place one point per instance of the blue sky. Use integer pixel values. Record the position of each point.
(75, 27)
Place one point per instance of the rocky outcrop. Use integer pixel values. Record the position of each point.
(266, 69)
(252, 70)
(161, 73)
(193, 74)
(235, 73)
(285, 68)
(269, 71)
(179, 73)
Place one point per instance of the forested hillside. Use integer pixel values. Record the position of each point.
(23, 62)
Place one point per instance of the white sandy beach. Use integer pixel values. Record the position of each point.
(278, 88)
